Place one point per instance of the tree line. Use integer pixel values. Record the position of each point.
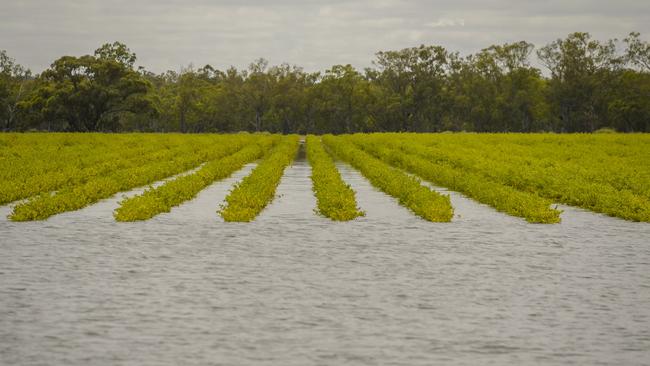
(587, 85)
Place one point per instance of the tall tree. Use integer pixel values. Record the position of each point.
(581, 71)
(92, 93)
(638, 51)
(416, 78)
(340, 105)
(257, 91)
(14, 85)
(519, 96)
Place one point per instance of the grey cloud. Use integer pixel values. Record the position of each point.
(167, 34)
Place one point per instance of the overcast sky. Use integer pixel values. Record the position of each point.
(315, 34)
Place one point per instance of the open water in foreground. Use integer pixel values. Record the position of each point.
(293, 288)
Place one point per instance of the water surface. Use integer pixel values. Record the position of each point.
(293, 288)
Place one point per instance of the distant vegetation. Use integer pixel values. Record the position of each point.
(587, 85)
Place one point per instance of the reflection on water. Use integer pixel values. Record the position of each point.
(293, 288)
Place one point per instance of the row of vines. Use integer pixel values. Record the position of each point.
(521, 175)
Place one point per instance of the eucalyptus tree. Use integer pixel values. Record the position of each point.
(257, 92)
(581, 75)
(629, 107)
(291, 108)
(14, 86)
(638, 51)
(341, 100)
(519, 100)
(416, 78)
(91, 92)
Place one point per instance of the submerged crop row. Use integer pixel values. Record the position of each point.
(257, 190)
(601, 174)
(335, 198)
(421, 200)
(76, 197)
(529, 206)
(596, 177)
(521, 175)
(74, 175)
(55, 162)
(176, 191)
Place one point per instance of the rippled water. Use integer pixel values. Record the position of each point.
(293, 288)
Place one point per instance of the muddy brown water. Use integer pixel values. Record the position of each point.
(293, 288)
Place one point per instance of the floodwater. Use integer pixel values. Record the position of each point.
(293, 288)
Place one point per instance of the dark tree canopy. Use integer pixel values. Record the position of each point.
(90, 93)
(587, 84)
